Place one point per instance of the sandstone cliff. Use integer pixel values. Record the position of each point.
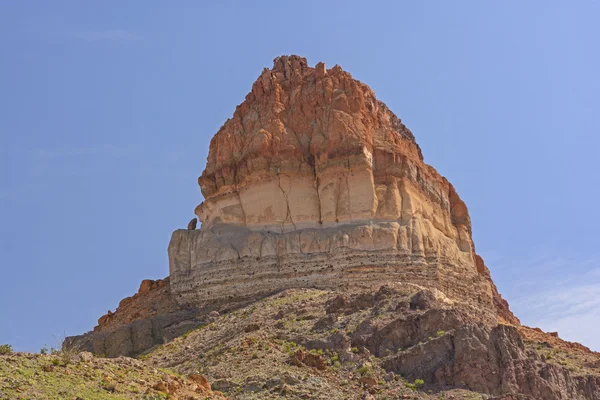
(315, 183)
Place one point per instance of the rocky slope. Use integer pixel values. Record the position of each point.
(308, 343)
(25, 376)
(148, 318)
(399, 341)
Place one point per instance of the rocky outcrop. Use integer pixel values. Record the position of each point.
(315, 183)
(552, 340)
(501, 305)
(492, 361)
(148, 318)
(153, 298)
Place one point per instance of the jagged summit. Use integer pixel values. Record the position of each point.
(287, 64)
(303, 112)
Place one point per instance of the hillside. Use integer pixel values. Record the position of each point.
(85, 377)
(398, 342)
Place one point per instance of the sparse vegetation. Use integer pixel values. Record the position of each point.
(415, 385)
(577, 362)
(36, 376)
(259, 363)
(6, 349)
(366, 370)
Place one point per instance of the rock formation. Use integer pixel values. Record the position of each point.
(150, 317)
(333, 263)
(315, 183)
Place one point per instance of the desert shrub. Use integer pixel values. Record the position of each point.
(334, 360)
(365, 370)
(68, 350)
(6, 349)
(415, 385)
(290, 347)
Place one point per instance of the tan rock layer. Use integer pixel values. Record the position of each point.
(231, 265)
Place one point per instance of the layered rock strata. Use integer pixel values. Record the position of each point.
(315, 183)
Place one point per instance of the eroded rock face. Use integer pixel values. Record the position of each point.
(315, 183)
(493, 361)
(140, 322)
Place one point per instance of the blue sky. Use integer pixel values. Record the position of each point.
(107, 109)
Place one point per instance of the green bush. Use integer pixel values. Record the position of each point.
(365, 370)
(415, 385)
(6, 349)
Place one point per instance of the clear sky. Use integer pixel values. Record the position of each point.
(107, 109)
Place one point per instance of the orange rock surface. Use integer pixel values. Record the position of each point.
(153, 298)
